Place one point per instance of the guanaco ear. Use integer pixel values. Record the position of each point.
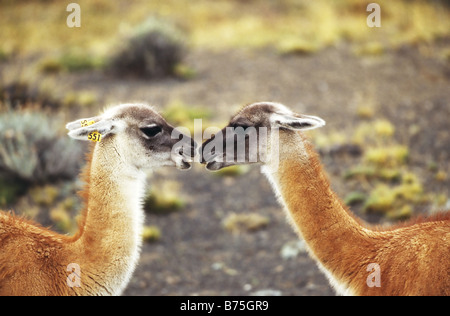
(80, 129)
(82, 122)
(296, 121)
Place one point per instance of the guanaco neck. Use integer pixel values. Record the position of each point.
(316, 212)
(109, 239)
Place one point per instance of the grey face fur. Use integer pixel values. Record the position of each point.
(140, 135)
(254, 123)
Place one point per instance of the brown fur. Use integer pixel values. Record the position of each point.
(34, 260)
(31, 258)
(414, 258)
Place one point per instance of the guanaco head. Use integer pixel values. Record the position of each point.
(139, 135)
(250, 132)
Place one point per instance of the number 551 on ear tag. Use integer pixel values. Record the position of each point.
(95, 136)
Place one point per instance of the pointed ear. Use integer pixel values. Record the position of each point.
(296, 121)
(80, 129)
(82, 122)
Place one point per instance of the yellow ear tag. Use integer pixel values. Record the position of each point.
(93, 136)
(85, 123)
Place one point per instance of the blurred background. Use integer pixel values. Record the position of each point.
(384, 92)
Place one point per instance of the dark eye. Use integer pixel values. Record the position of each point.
(244, 126)
(151, 131)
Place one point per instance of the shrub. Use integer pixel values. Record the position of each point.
(232, 171)
(250, 222)
(44, 196)
(3, 55)
(354, 198)
(34, 151)
(19, 93)
(297, 46)
(397, 201)
(78, 61)
(370, 49)
(62, 219)
(389, 156)
(50, 66)
(152, 50)
(9, 191)
(163, 198)
(72, 61)
(151, 233)
(83, 98)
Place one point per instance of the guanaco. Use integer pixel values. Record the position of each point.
(101, 257)
(408, 259)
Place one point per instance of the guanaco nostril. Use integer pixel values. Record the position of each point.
(185, 152)
(188, 149)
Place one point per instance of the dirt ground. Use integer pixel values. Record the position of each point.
(195, 254)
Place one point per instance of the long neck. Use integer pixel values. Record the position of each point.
(317, 214)
(110, 238)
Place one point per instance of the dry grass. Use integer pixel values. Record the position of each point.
(296, 26)
(248, 222)
(164, 198)
(151, 233)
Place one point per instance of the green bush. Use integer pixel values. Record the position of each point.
(3, 55)
(34, 150)
(21, 93)
(71, 61)
(164, 198)
(249, 222)
(153, 50)
(78, 61)
(151, 233)
(10, 190)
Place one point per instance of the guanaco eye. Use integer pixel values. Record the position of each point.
(244, 126)
(151, 131)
